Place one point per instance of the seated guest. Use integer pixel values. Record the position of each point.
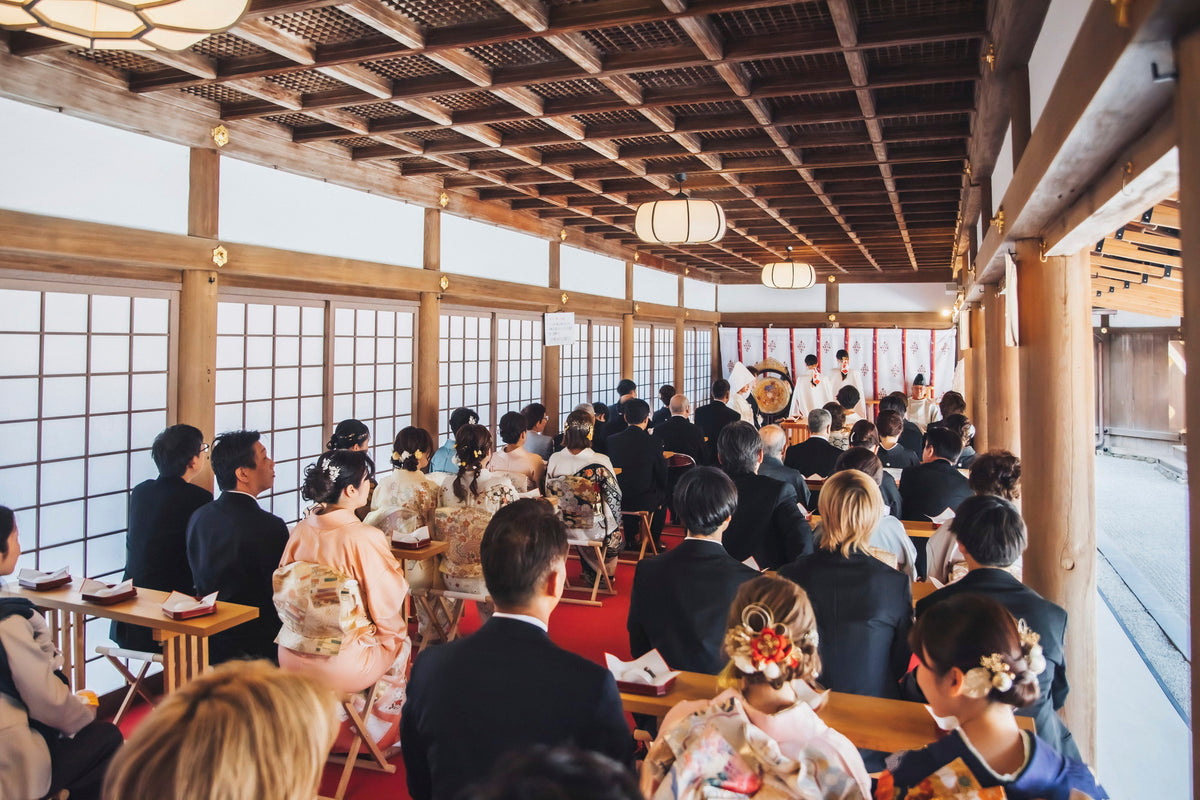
(536, 441)
(767, 524)
(680, 598)
(678, 434)
(952, 403)
(507, 687)
(892, 454)
(350, 434)
(921, 408)
(889, 541)
(934, 485)
(626, 391)
(578, 459)
(996, 473)
(774, 441)
(863, 606)
(811, 390)
(765, 720)
(959, 424)
(244, 731)
(330, 557)
(715, 415)
(513, 458)
(643, 477)
(864, 434)
(405, 498)
(52, 740)
(977, 664)
(557, 772)
(815, 455)
(665, 393)
(992, 535)
(443, 459)
(911, 437)
(159, 510)
(599, 412)
(848, 397)
(234, 546)
(839, 435)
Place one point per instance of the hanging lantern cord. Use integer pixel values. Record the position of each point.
(680, 177)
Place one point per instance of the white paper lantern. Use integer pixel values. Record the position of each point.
(122, 24)
(789, 274)
(683, 220)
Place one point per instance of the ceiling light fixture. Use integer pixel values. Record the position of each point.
(122, 24)
(789, 274)
(682, 220)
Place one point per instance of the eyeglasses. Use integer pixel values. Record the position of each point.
(203, 447)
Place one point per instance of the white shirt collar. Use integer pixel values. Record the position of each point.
(522, 618)
(704, 539)
(235, 491)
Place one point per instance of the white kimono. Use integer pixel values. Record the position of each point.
(739, 378)
(923, 412)
(806, 397)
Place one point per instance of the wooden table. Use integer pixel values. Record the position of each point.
(868, 722)
(796, 431)
(184, 641)
(919, 529)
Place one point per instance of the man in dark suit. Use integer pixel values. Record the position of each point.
(643, 477)
(681, 598)
(626, 391)
(713, 416)
(679, 434)
(767, 524)
(911, 438)
(934, 485)
(815, 455)
(665, 393)
(992, 536)
(507, 687)
(159, 510)
(234, 546)
(774, 443)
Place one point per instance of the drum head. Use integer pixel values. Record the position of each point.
(773, 395)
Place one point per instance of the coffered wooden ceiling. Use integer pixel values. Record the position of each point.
(838, 126)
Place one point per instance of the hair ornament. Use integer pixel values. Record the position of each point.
(993, 673)
(332, 471)
(401, 456)
(759, 644)
(479, 454)
(1031, 647)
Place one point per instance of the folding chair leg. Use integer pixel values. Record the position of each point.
(135, 686)
(378, 762)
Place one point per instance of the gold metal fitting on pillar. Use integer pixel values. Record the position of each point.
(1042, 250)
(220, 256)
(1121, 12)
(220, 135)
(989, 56)
(998, 221)
(444, 283)
(443, 199)
(563, 297)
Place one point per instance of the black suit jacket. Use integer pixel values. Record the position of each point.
(679, 603)
(499, 691)
(659, 417)
(712, 417)
(616, 420)
(1046, 619)
(912, 439)
(864, 612)
(156, 546)
(927, 490)
(898, 457)
(766, 524)
(774, 468)
(643, 477)
(679, 435)
(813, 455)
(233, 547)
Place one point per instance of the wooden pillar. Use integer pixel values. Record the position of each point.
(551, 356)
(196, 400)
(1058, 461)
(428, 378)
(715, 371)
(1003, 378)
(680, 353)
(1187, 116)
(627, 329)
(977, 387)
(832, 297)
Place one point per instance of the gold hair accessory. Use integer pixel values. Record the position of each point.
(1031, 647)
(993, 673)
(759, 644)
(479, 454)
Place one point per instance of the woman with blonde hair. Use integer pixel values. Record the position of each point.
(762, 735)
(244, 731)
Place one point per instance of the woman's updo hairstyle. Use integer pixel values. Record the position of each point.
(790, 612)
(348, 433)
(472, 444)
(996, 472)
(335, 470)
(577, 434)
(512, 425)
(966, 630)
(837, 416)
(411, 443)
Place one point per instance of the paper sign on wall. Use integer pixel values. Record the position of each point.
(558, 328)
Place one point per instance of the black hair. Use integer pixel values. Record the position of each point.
(231, 451)
(411, 440)
(889, 423)
(811, 360)
(842, 354)
(965, 628)
(8, 522)
(945, 443)
(174, 449)
(863, 460)
(534, 413)
(891, 403)
(333, 472)
(989, 529)
(720, 389)
(520, 545)
(837, 415)
(739, 447)
(864, 434)
(704, 498)
(512, 425)
(849, 396)
(625, 387)
(577, 433)
(960, 425)
(348, 433)
(599, 409)
(635, 411)
(996, 472)
(952, 403)
(556, 773)
(472, 443)
(665, 393)
(462, 416)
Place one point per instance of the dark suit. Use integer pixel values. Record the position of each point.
(498, 691)
(679, 603)
(774, 468)
(766, 524)
(812, 456)
(616, 420)
(233, 547)
(712, 417)
(679, 435)
(643, 478)
(929, 489)
(912, 439)
(1047, 620)
(659, 417)
(156, 546)
(898, 457)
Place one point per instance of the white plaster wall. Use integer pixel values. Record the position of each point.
(894, 297)
(1127, 319)
(487, 251)
(1063, 19)
(585, 271)
(61, 166)
(1003, 171)
(272, 208)
(699, 295)
(751, 297)
(655, 286)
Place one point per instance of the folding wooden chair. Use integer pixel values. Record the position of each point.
(643, 532)
(114, 656)
(444, 609)
(362, 736)
(597, 546)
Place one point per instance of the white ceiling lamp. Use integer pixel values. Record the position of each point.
(682, 220)
(790, 274)
(122, 24)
